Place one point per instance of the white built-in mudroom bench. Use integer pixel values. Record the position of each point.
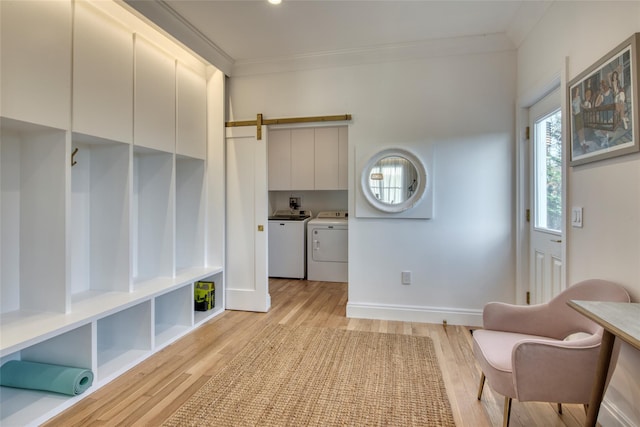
(112, 206)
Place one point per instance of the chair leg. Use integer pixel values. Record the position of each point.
(560, 408)
(482, 378)
(507, 412)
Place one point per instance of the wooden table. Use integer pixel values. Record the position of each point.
(618, 319)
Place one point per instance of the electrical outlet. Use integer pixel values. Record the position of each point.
(406, 277)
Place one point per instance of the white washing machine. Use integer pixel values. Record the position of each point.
(287, 244)
(327, 247)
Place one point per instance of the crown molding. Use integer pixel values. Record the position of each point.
(165, 17)
(486, 43)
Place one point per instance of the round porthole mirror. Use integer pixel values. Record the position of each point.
(394, 180)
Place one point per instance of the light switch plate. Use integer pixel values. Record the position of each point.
(576, 217)
(406, 277)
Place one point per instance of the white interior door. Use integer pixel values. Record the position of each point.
(247, 281)
(546, 266)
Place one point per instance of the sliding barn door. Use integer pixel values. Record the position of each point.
(247, 280)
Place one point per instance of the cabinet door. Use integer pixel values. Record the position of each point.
(279, 152)
(302, 163)
(155, 98)
(327, 149)
(191, 113)
(343, 159)
(36, 62)
(102, 76)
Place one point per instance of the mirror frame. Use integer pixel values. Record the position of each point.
(411, 201)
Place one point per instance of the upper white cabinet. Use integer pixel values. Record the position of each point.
(331, 158)
(302, 163)
(290, 159)
(279, 159)
(36, 62)
(308, 159)
(343, 158)
(155, 97)
(102, 75)
(191, 112)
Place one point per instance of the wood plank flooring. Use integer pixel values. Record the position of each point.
(153, 390)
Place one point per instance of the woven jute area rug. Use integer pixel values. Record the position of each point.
(303, 376)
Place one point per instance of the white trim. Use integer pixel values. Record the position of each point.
(523, 103)
(610, 415)
(166, 18)
(408, 313)
(452, 46)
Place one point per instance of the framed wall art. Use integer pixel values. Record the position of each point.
(603, 101)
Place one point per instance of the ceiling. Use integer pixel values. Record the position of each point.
(233, 34)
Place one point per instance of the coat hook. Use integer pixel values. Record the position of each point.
(73, 155)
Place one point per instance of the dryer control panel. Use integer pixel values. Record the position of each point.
(333, 214)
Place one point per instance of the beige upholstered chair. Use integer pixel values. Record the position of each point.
(524, 354)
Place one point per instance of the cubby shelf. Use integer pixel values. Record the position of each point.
(31, 407)
(156, 314)
(23, 328)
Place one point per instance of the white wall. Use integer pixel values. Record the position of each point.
(464, 106)
(608, 246)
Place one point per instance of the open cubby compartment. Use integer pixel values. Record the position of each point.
(33, 176)
(190, 213)
(123, 340)
(203, 316)
(173, 315)
(19, 407)
(153, 214)
(100, 217)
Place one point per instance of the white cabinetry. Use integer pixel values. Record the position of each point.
(192, 111)
(99, 213)
(190, 213)
(279, 159)
(102, 239)
(116, 349)
(102, 75)
(36, 62)
(155, 97)
(173, 315)
(153, 208)
(302, 163)
(343, 158)
(34, 225)
(308, 159)
(331, 158)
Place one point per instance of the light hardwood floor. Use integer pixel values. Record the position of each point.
(149, 393)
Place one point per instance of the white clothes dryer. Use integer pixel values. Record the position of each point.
(327, 247)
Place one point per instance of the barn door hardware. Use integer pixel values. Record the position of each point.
(259, 121)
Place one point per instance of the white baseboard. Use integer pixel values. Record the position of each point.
(611, 416)
(405, 313)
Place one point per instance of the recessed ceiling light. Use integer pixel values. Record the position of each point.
(275, 1)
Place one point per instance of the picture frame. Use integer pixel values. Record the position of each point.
(603, 106)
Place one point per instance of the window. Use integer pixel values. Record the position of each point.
(548, 173)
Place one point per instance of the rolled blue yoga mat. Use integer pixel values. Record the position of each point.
(42, 376)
